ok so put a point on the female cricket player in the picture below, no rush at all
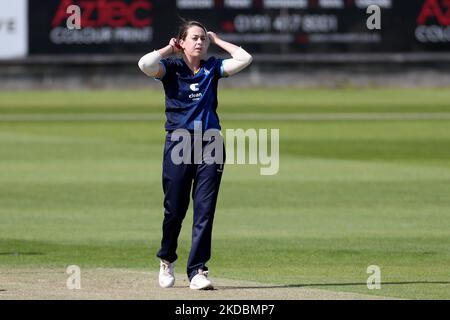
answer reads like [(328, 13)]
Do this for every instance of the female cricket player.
[(190, 85)]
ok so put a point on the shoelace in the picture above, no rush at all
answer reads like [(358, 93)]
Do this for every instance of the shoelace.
[(167, 268), (203, 272)]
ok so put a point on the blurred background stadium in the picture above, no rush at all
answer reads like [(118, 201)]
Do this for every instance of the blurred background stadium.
[(364, 119), (294, 42)]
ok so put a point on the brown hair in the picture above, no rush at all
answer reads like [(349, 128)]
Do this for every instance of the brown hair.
[(182, 33)]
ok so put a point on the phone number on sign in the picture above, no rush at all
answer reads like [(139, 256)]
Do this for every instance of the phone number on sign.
[(286, 23)]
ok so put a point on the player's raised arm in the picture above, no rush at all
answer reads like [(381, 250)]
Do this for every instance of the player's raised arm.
[(240, 58), (150, 63)]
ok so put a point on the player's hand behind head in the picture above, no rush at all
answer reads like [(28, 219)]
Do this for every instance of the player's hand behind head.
[(175, 45), (212, 37)]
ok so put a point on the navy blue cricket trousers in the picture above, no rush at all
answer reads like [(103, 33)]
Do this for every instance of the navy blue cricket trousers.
[(178, 180)]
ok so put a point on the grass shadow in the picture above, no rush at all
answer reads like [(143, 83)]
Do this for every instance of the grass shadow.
[(287, 286)]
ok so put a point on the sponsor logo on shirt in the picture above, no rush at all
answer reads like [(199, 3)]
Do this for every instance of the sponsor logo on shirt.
[(194, 87), (195, 96)]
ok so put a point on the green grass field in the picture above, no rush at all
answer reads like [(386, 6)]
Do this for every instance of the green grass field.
[(348, 194)]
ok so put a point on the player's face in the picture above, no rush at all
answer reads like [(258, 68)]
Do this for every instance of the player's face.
[(196, 42)]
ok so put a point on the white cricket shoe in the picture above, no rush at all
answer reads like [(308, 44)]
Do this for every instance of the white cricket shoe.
[(200, 281), (166, 274)]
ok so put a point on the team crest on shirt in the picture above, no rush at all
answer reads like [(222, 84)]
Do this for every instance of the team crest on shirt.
[(206, 71), (194, 87), (195, 96)]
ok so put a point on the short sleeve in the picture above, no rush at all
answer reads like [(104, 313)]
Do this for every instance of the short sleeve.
[(169, 66), (219, 69)]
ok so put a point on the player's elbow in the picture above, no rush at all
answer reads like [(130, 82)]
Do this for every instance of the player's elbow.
[(142, 65), (242, 57), (249, 59), (148, 69), (246, 60)]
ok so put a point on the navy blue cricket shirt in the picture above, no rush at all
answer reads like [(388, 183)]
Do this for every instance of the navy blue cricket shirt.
[(191, 97)]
